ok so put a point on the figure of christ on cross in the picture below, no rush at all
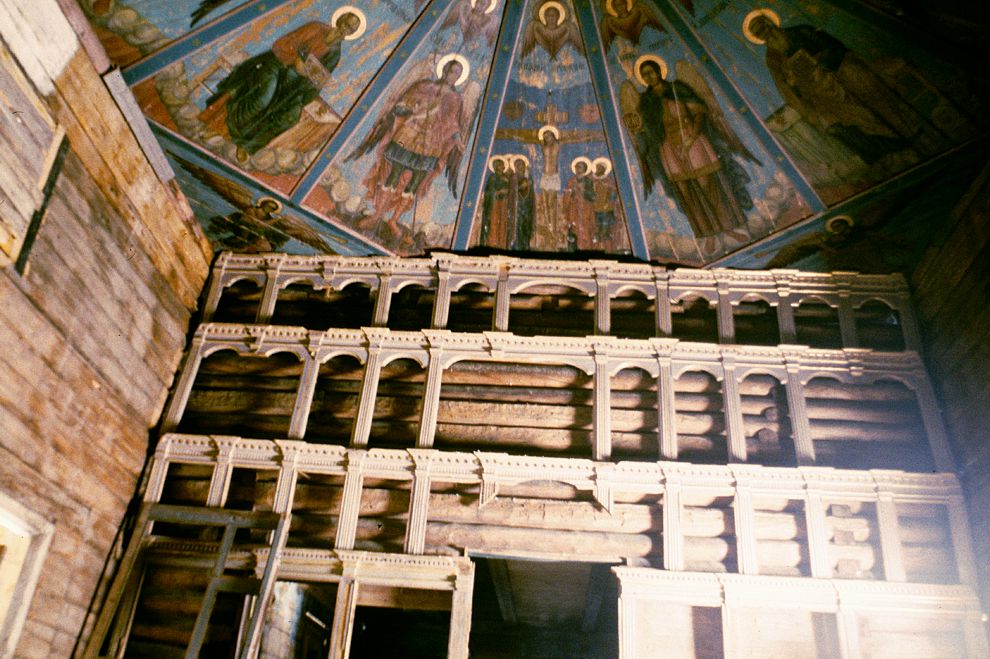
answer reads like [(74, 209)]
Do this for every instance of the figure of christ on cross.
[(549, 228)]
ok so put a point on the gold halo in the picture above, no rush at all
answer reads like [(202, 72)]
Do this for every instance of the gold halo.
[(518, 157), (491, 5), (602, 160), (542, 12), (586, 160), (830, 225), (649, 58), (611, 9), (278, 204), (747, 23), (465, 67), (348, 9), (548, 128), (494, 159)]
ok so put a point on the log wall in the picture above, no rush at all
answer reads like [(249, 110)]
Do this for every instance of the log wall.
[(92, 327), (953, 301)]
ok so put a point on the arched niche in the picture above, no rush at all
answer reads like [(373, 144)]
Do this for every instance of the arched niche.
[(335, 401), (302, 303), (816, 324), (633, 415), (864, 424), (767, 421), (633, 315), (348, 307), (878, 326), (699, 408), (243, 394), (755, 321), (398, 404), (472, 308), (516, 408), (693, 318), (411, 308), (239, 302), (551, 310)]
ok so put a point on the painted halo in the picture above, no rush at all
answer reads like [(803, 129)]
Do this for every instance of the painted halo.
[(278, 204), (649, 58), (610, 8), (587, 163), (517, 157), (548, 128), (494, 159), (348, 9), (832, 222), (601, 161), (547, 5), (491, 5), (748, 23), (454, 57)]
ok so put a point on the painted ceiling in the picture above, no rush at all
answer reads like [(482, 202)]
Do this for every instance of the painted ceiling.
[(691, 132)]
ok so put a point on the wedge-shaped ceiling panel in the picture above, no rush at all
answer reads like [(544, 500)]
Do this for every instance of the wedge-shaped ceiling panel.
[(550, 184), (397, 174)]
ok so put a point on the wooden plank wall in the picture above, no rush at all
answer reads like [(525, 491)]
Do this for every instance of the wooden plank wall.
[(92, 333), (952, 290)]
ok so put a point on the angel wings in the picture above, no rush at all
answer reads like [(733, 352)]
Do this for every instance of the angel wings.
[(551, 28), (424, 127), (257, 225)]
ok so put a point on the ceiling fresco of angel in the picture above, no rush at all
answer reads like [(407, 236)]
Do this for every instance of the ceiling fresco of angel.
[(682, 131), (398, 179), (848, 104)]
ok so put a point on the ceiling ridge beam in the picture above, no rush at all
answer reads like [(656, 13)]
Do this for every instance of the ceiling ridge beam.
[(498, 82), (614, 137)]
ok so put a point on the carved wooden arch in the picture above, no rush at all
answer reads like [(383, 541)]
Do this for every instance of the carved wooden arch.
[(772, 299), (395, 354), (587, 287), (876, 297), (582, 363), (651, 367), (843, 377), (318, 282), (779, 373), (465, 280), (713, 369), (648, 289), (824, 298), (340, 282), (709, 296), (244, 347), (325, 355)]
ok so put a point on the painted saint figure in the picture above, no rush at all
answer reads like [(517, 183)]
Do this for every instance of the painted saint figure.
[(475, 17), (607, 207), (579, 204), (521, 203), (264, 95), (495, 205), (853, 100), (683, 142), (422, 131)]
